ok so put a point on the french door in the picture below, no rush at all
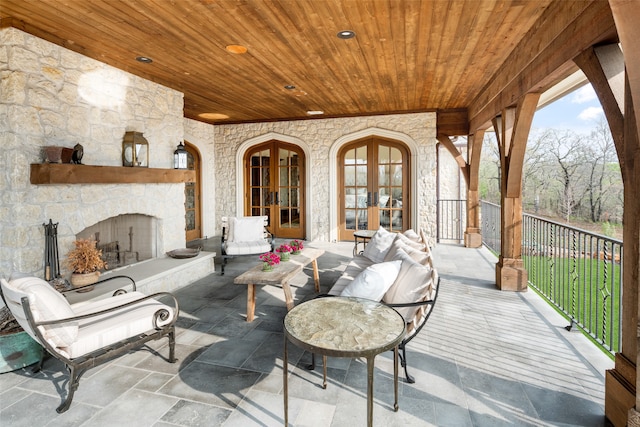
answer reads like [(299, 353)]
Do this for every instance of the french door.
[(193, 227), (373, 186), (274, 186)]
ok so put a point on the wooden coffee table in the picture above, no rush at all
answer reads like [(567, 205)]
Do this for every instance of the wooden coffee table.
[(280, 275)]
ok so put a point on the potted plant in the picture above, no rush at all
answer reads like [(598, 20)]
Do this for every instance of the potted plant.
[(269, 259), (285, 251), (296, 247), (85, 261)]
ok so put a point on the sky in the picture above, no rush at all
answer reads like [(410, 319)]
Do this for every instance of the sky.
[(578, 111)]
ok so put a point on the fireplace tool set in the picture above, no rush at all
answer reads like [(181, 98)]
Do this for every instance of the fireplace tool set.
[(51, 260)]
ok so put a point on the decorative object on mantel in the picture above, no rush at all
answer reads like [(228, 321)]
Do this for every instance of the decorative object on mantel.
[(180, 157), (135, 150), (184, 253), (78, 152), (269, 259), (57, 154), (85, 261)]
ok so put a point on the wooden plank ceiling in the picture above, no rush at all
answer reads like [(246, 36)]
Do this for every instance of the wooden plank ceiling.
[(407, 55)]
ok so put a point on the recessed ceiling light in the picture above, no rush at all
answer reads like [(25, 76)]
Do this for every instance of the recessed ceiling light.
[(236, 48), (314, 113), (213, 116), (346, 34), (144, 59), (289, 87)]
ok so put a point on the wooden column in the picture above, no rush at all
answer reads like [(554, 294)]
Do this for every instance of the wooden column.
[(622, 382), (472, 235), (604, 67), (512, 130), (469, 169)]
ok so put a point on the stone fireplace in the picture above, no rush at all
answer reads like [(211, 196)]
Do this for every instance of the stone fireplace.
[(124, 239)]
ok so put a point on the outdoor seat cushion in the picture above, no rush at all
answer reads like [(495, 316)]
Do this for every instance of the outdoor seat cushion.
[(355, 267), (413, 284), (247, 248), (46, 304), (106, 329), (379, 245), (374, 281)]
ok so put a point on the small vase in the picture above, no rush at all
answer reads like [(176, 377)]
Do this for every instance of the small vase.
[(267, 267), (296, 252), (284, 256), (83, 279)]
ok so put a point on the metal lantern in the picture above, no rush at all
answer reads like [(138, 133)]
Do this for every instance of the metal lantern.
[(135, 150), (180, 157)]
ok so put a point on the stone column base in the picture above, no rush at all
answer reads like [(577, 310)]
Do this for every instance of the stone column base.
[(620, 394), (472, 238), (511, 275)]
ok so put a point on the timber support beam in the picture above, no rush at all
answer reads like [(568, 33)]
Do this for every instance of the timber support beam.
[(512, 130)]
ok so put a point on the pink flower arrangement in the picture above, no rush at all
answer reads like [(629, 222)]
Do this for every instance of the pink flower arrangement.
[(284, 248), (270, 258), (296, 245)]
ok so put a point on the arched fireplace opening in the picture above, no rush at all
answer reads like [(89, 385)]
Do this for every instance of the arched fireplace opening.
[(124, 239)]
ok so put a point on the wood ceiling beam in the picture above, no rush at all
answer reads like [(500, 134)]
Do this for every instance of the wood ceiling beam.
[(544, 56)]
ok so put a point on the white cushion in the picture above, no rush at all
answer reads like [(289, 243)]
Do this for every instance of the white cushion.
[(354, 268), (373, 282), (399, 244), (379, 245), (247, 248), (246, 229), (412, 284), (411, 243), (412, 235), (48, 304), (106, 329)]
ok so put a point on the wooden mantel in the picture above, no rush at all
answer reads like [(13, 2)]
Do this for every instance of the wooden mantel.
[(64, 173)]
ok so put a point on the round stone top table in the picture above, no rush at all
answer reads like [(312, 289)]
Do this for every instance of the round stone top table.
[(345, 327)]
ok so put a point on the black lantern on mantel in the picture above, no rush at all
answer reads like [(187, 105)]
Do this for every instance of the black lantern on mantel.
[(180, 157), (135, 150)]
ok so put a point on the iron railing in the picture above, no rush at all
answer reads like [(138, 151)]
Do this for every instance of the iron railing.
[(452, 215), (577, 271)]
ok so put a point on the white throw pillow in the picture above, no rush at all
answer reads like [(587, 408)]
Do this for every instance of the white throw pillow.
[(248, 229), (49, 304), (379, 245), (400, 245), (413, 284), (374, 281), (411, 243), (411, 234)]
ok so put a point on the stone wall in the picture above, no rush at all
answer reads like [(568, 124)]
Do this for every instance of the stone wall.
[(320, 137), (53, 96)]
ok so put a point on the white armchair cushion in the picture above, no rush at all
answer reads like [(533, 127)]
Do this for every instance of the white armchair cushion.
[(106, 329), (379, 245), (246, 229), (373, 282), (46, 304), (245, 248)]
